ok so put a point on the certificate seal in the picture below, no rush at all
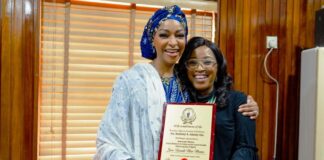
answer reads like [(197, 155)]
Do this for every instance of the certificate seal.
[(188, 116)]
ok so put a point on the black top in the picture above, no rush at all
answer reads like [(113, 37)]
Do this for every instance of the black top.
[(235, 133)]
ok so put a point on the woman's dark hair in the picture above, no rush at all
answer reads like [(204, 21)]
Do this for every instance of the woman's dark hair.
[(223, 81)]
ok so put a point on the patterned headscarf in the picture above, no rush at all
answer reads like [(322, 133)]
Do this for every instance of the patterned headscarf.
[(171, 12)]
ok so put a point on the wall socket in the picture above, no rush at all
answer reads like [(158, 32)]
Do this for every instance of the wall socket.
[(272, 42)]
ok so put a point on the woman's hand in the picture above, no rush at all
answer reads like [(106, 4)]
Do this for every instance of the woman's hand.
[(250, 109)]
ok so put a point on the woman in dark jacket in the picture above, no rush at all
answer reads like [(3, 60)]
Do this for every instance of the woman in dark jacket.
[(203, 70)]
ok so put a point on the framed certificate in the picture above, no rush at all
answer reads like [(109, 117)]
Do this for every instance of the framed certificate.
[(187, 131)]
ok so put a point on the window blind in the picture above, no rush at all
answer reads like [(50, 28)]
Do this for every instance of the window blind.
[(84, 48)]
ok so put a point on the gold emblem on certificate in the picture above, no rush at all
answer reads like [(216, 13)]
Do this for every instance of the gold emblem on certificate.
[(187, 132), (188, 115)]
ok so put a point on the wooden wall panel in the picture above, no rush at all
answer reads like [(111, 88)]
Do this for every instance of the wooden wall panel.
[(0, 61), (18, 50), (243, 27)]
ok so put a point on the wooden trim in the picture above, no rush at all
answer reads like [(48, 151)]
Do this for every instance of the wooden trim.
[(0, 66), (98, 4), (38, 75), (18, 136), (6, 83), (55, 1), (121, 6), (37, 24), (217, 20)]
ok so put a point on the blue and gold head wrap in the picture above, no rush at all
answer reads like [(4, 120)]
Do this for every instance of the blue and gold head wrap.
[(171, 12)]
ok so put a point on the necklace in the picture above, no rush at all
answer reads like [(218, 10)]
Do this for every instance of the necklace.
[(166, 80), (172, 87)]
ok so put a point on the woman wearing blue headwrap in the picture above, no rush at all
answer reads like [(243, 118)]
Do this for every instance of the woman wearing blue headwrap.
[(163, 41), (131, 125)]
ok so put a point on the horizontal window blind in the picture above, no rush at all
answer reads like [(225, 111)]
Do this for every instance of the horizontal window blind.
[(84, 49)]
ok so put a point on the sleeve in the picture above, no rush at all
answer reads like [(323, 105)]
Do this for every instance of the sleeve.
[(114, 135), (245, 145)]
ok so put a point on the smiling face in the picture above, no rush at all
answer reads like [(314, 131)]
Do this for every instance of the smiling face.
[(169, 42), (204, 74)]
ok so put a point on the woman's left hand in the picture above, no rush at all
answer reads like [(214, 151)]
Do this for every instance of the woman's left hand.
[(250, 109)]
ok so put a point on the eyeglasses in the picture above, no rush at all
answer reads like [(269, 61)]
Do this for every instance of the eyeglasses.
[(205, 63)]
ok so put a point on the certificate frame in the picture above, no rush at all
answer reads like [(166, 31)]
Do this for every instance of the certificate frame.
[(188, 131)]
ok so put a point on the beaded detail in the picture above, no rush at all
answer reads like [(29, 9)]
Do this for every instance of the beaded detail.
[(166, 80), (173, 91)]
